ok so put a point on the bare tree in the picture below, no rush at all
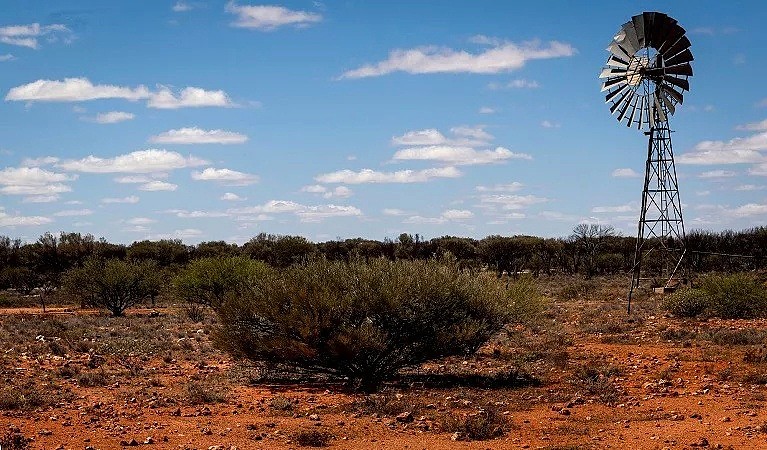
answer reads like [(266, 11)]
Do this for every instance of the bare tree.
[(588, 238)]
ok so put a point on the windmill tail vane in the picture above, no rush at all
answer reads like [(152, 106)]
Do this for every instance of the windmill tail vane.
[(645, 78)]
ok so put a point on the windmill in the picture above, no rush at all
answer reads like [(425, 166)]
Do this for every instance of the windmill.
[(645, 76)]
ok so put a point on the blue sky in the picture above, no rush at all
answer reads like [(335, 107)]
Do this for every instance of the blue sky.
[(207, 120)]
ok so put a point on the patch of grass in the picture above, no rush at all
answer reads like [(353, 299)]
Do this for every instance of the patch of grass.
[(487, 423), (313, 438), (199, 393), (597, 381), (745, 336), (92, 378), (23, 398), (13, 440), (281, 403)]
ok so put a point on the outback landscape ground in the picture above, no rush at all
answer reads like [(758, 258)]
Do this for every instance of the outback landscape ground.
[(586, 376)]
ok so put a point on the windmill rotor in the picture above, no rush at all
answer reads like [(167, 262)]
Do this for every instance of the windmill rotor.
[(648, 70)]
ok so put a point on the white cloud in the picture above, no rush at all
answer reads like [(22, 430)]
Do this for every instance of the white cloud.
[(28, 35), (189, 97), (7, 220), (338, 192), (403, 176), (421, 137), (393, 212), (629, 207), (184, 214), (128, 199), (750, 187), (225, 176), (140, 221), (185, 233), (82, 89), (133, 179), (314, 189), (232, 197), (157, 185), (45, 189), (750, 209), (7, 57), (759, 169), (136, 229), (451, 215), (73, 90), (268, 17), (549, 124), (510, 202), (734, 151), (755, 126), (42, 161), (73, 213), (40, 185), (141, 161), (519, 83), (182, 6), (501, 57), (625, 173), (113, 117), (510, 187), (717, 174), (487, 110), (457, 214), (31, 176), (458, 155), (303, 212), (41, 199), (198, 136)]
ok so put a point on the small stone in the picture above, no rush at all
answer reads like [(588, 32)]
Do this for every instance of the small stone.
[(405, 417), (726, 419), (176, 412), (314, 417), (149, 440), (457, 436)]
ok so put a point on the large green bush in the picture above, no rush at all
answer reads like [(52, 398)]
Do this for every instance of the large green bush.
[(113, 284), (208, 281), (735, 296), (366, 321)]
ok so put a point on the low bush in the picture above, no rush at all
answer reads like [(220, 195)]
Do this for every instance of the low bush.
[(199, 393), (313, 438), (208, 281), (735, 296), (487, 423), (14, 441), (366, 321)]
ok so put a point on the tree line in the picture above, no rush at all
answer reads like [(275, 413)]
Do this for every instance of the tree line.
[(590, 250)]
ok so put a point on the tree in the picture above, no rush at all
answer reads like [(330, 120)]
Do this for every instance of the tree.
[(209, 281), (588, 239), (113, 284)]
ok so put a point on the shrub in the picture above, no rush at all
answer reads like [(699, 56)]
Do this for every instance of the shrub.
[(198, 393), (364, 322), (487, 423), (735, 296), (313, 438), (208, 281), (113, 284), (13, 440)]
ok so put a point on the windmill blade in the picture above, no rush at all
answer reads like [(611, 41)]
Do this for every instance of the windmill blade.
[(610, 72), (625, 106), (677, 96), (679, 58), (651, 111), (633, 110), (614, 61), (680, 69), (649, 28), (682, 44), (619, 102), (668, 103), (631, 37), (641, 112), (659, 108), (674, 34), (612, 94), (678, 82), (613, 82), (638, 22), (665, 25), (618, 51)]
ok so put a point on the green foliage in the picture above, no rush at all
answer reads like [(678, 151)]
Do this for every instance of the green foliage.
[(735, 296), (208, 281), (364, 321), (113, 284)]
